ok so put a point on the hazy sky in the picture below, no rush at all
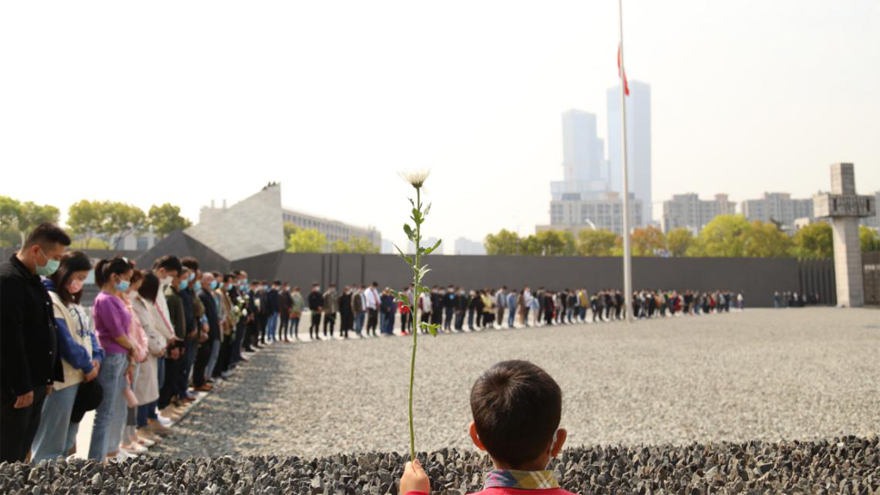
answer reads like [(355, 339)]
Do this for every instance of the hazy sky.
[(148, 102)]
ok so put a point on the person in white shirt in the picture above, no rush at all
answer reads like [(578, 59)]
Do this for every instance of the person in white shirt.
[(372, 299)]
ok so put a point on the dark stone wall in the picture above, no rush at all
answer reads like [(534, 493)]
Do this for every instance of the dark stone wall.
[(757, 278)]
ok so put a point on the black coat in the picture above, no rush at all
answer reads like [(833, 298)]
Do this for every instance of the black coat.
[(28, 349), (211, 314), (316, 300)]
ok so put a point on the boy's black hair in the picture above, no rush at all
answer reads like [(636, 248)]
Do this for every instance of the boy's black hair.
[(47, 233), (169, 262), (191, 263), (517, 407)]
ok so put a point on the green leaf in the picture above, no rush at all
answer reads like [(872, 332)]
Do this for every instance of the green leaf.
[(416, 216), (427, 209), (409, 231), (405, 257), (431, 328), (430, 249), (423, 270)]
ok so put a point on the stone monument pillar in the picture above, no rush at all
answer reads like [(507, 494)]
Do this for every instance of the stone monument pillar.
[(845, 207)]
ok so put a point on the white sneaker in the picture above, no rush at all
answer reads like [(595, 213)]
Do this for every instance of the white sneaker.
[(134, 449), (164, 421), (146, 442)]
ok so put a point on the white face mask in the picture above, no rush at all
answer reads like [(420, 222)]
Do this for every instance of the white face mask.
[(165, 281)]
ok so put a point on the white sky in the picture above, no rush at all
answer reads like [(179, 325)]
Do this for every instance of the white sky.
[(148, 102)]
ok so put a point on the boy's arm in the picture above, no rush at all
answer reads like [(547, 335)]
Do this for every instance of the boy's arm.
[(414, 480)]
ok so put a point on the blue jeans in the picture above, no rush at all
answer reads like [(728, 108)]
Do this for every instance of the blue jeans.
[(212, 361), (271, 325), (510, 318), (54, 438), (189, 358), (110, 415), (383, 316), (359, 322)]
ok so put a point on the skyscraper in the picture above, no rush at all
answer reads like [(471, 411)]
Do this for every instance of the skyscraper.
[(585, 171), (638, 130)]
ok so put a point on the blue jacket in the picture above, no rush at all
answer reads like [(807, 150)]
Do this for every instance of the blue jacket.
[(68, 349)]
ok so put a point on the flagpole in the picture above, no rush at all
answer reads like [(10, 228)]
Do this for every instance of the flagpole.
[(627, 254)]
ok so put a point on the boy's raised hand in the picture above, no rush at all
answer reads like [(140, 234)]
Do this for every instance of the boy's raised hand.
[(414, 479)]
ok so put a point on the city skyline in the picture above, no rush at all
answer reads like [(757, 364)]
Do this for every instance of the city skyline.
[(317, 97)]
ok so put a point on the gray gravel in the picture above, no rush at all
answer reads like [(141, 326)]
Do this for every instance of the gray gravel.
[(798, 374), (848, 466)]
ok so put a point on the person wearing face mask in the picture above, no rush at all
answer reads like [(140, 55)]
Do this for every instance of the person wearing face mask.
[(169, 392), (131, 445), (296, 309), (112, 321), (80, 355), (29, 362), (316, 306), (346, 316), (461, 305), (206, 348)]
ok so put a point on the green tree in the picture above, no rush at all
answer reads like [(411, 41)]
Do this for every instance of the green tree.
[(306, 241), (356, 244), (86, 219), (18, 219), (10, 212), (595, 242), (504, 242), (165, 219), (765, 240), (647, 241), (123, 219), (814, 241), (679, 241), (530, 246), (868, 239), (556, 243), (725, 236)]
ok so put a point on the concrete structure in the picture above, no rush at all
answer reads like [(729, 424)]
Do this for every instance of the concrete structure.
[(690, 212), (845, 207), (585, 171), (334, 230), (255, 226), (873, 221), (248, 228), (574, 213), (777, 207), (638, 130), (467, 246)]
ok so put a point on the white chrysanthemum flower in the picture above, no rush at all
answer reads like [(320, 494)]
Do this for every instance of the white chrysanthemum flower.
[(416, 178)]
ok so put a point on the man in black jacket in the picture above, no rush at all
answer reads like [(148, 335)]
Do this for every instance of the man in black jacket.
[(205, 348), (316, 305), (28, 348)]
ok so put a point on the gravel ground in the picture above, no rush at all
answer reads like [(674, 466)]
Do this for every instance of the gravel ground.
[(768, 375), (848, 466)]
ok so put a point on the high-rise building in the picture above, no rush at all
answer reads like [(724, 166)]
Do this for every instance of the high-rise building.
[(777, 207), (585, 171), (467, 246), (691, 212), (638, 132)]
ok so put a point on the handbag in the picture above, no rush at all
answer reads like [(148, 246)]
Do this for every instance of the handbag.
[(88, 398)]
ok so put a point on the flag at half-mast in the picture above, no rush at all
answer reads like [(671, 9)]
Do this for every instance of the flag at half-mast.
[(622, 72)]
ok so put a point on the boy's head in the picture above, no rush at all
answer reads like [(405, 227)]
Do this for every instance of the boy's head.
[(517, 407)]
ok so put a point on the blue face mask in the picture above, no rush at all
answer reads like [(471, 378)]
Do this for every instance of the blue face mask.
[(183, 284), (266, 287), (50, 268), (214, 285), (123, 285), (191, 277), (229, 286), (197, 286), (244, 282)]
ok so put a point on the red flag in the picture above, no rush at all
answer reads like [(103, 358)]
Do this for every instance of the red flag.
[(622, 73)]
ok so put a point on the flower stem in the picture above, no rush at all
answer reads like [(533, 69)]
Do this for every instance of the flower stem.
[(415, 314)]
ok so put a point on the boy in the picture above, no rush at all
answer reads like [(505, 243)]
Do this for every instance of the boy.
[(516, 407)]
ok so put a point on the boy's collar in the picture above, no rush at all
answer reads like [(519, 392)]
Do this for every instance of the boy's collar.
[(523, 480)]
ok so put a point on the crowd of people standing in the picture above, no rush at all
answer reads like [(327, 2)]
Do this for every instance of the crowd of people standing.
[(154, 337), (151, 340)]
